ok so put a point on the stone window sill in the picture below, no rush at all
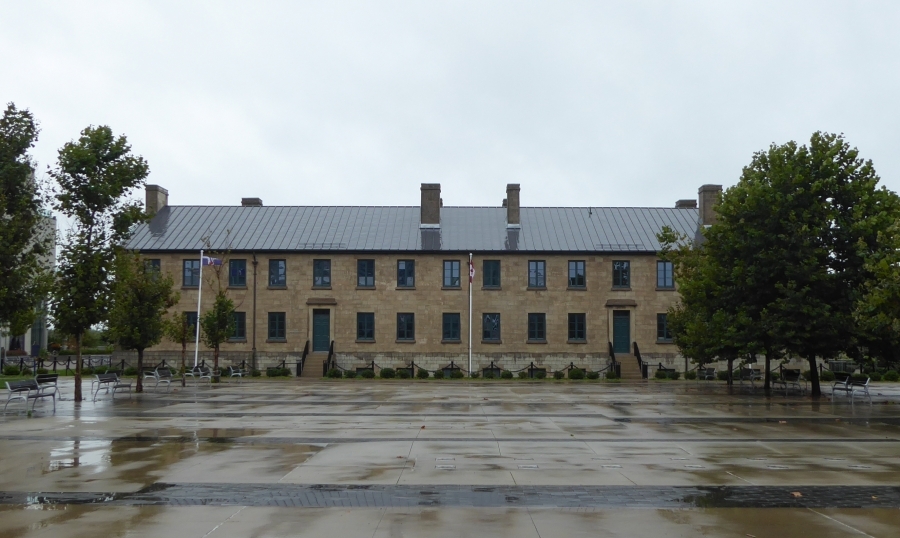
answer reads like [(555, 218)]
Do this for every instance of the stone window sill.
[(576, 341), (237, 340), (190, 287), (364, 288), (321, 287), (413, 341), (455, 341), (617, 288), (665, 341), (237, 287), (537, 288), (577, 288), (535, 341), (365, 341), (491, 288), (276, 340), (666, 289), (492, 341), (276, 287), (406, 288), (457, 288)]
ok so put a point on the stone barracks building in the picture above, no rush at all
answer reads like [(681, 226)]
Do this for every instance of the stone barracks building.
[(552, 285)]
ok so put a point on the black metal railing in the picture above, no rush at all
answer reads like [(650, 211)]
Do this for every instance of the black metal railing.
[(302, 362), (640, 360), (328, 363)]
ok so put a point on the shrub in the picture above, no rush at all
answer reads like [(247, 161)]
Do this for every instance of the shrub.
[(131, 371), (541, 374), (11, 370), (774, 375), (489, 374), (875, 376), (859, 377), (422, 373), (403, 374), (506, 374), (690, 375), (281, 372), (100, 370), (891, 375), (723, 376), (660, 374), (439, 374), (42, 371), (576, 373), (675, 375), (805, 374), (611, 374), (827, 375), (350, 374), (255, 373), (592, 375), (474, 375), (523, 374), (559, 374), (457, 374), (334, 373), (367, 374), (387, 373), (84, 371)]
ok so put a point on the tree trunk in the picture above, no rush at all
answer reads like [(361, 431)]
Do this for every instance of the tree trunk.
[(140, 369), (183, 370), (816, 389), (730, 369), (766, 384), (78, 367)]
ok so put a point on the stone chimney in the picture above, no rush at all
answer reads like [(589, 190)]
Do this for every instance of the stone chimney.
[(512, 206), (157, 198), (251, 202), (709, 198), (686, 204), (431, 206)]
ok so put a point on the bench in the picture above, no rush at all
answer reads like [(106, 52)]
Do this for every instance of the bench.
[(159, 375), (199, 373), (29, 390), (791, 379), (707, 374), (749, 374), (848, 386), (238, 373), (49, 380), (107, 381)]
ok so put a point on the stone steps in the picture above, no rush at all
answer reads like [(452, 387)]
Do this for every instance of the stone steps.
[(629, 367), (312, 369)]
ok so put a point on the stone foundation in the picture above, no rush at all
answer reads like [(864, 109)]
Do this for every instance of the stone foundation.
[(505, 361)]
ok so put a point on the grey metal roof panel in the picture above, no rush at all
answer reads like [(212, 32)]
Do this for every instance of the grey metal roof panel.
[(475, 229)]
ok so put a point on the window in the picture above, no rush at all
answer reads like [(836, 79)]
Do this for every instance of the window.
[(190, 320), (365, 326), (577, 327), (153, 264), (321, 273), (664, 275), (237, 273), (537, 275), (406, 326), (451, 327), (191, 273), (277, 273), (365, 273), (240, 326), (406, 274), (537, 327), (276, 326), (576, 274), (621, 274), (662, 328), (491, 327), (491, 273), (451, 273)]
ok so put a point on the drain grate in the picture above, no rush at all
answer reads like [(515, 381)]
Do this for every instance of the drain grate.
[(694, 467), (612, 466), (527, 466), (859, 467), (777, 467), (445, 467)]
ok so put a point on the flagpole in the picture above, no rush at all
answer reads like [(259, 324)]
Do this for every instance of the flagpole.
[(470, 314), (199, 293)]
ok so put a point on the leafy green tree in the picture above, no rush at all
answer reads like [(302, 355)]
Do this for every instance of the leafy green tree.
[(180, 330), (217, 324), (23, 244), (141, 297), (95, 176), (878, 309)]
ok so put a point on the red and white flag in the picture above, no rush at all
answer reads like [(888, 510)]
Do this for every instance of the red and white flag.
[(471, 271)]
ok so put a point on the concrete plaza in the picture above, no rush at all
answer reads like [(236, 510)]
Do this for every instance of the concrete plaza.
[(453, 458)]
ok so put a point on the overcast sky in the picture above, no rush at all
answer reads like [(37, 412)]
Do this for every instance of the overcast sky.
[(357, 103)]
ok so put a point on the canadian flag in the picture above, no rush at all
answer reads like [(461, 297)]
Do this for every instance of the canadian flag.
[(471, 271)]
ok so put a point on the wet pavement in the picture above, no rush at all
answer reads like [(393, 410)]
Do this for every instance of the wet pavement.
[(401, 458)]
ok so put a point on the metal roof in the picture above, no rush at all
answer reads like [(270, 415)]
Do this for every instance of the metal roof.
[(463, 229)]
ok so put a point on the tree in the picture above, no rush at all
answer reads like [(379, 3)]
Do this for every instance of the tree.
[(217, 324), (141, 297), (95, 176), (182, 330), (23, 244)]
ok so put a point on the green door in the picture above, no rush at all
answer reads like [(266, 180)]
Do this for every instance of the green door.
[(621, 331), (321, 330)]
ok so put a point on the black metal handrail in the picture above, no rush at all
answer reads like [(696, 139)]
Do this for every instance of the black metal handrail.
[(645, 374), (302, 362), (328, 364)]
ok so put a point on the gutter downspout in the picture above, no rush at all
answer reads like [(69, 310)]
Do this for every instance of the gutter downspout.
[(253, 356)]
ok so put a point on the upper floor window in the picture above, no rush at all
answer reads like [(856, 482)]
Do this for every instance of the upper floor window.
[(406, 274), (240, 326), (322, 273), (153, 264), (277, 273), (237, 273), (621, 274), (537, 327), (451, 273), (490, 324), (365, 326), (491, 273), (406, 326), (662, 328), (664, 275), (365, 273), (576, 274), (190, 321), (191, 273), (537, 274)]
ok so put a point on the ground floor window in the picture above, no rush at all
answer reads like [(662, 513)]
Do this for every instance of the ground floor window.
[(490, 327), (451, 327), (277, 326), (240, 326), (365, 326), (662, 328), (577, 329), (537, 327), (406, 326)]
